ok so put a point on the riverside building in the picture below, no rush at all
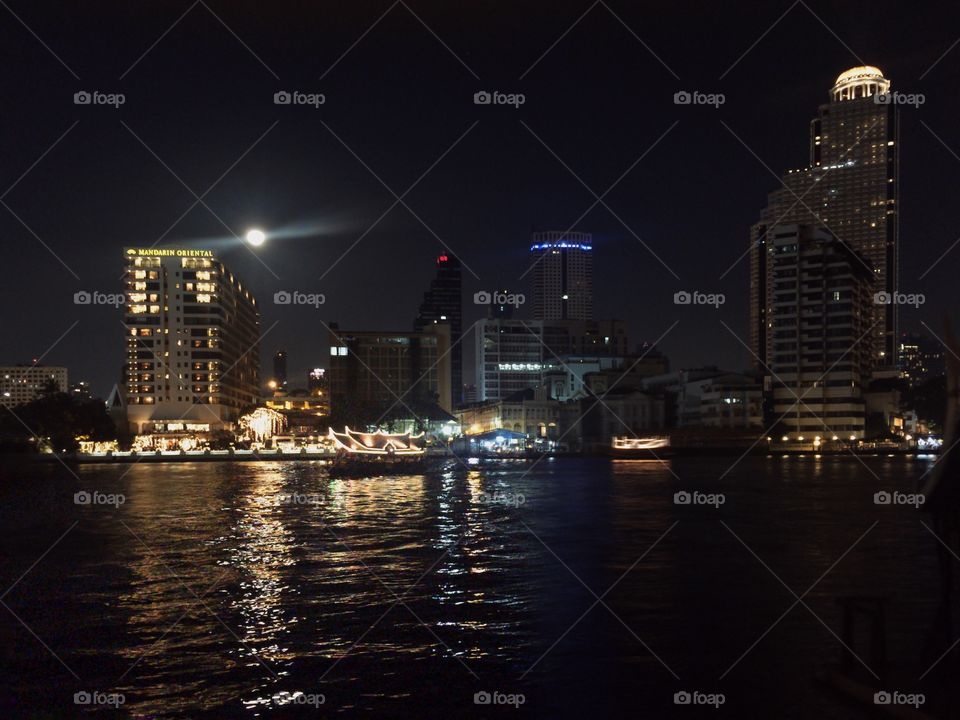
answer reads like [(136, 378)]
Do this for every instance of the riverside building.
[(192, 342)]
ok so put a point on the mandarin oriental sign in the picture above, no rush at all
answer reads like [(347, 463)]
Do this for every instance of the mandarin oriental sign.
[(170, 252)]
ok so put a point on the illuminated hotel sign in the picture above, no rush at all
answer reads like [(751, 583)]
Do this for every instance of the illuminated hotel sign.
[(170, 252)]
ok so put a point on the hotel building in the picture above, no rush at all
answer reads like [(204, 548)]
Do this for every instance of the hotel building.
[(561, 266), (850, 187), (193, 342), (21, 384), (822, 311)]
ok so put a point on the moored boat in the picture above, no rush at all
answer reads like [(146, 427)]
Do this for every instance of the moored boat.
[(376, 453)]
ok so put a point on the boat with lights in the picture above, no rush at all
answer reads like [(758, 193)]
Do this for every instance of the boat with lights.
[(653, 448), (379, 452)]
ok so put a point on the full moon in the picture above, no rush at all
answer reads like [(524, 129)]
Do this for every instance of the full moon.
[(256, 237)]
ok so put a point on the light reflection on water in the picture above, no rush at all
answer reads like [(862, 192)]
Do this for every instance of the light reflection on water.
[(230, 589)]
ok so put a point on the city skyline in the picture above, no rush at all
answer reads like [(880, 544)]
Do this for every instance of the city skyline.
[(417, 358), (312, 251)]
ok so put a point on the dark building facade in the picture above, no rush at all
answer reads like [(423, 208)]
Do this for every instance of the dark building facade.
[(443, 304), (920, 358), (822, 311), (280, 368), (561, 268), (586, 337), (380, 376)]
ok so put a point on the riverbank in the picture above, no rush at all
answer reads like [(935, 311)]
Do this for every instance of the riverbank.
[(303, 454)]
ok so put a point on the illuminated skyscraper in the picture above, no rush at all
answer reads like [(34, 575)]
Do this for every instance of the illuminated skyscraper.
[(193, 341), (850, 187), (561, 265), (443, 304)]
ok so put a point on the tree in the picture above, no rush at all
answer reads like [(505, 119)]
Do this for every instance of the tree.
[(929, 401), (59, 421)]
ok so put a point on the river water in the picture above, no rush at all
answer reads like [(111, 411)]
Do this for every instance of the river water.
[(574, 586)]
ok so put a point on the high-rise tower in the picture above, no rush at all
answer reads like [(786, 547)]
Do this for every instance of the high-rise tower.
[(443, 304), (850, 187), (561, 264)]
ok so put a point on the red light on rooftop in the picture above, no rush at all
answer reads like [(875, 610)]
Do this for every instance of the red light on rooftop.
[(442, 259)]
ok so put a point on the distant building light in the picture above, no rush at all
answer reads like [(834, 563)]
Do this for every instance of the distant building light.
[(520, 367), (560, 245)]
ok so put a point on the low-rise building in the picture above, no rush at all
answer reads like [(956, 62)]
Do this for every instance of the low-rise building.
[(530, 411), (21, 384)]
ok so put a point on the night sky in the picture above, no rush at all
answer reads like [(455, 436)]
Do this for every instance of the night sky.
[(199, 112)]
